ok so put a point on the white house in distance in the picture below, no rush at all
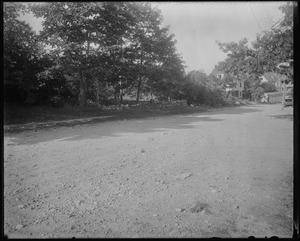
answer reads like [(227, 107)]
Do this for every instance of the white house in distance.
[(236, 91), (219, 74)]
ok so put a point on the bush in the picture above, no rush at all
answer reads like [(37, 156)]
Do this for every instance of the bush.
[(257, 93), (268, 87), (57, 101), (199, 95)]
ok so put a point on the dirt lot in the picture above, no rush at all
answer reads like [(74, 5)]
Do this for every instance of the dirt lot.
[(223, 173)]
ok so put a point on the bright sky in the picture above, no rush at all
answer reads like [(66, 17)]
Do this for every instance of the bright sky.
[(197, 26)]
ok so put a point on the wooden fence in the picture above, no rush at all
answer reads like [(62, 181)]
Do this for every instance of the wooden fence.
[(274, 97)]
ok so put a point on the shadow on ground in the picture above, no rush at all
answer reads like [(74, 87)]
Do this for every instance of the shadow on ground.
[(111, 127), (285, 117), (235, 110)]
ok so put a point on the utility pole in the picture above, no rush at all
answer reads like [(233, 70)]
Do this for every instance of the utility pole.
[(283, 66), (283, 95)]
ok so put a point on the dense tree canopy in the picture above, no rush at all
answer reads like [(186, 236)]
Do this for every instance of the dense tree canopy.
[(23, 53), (120, 44), (103, 50)]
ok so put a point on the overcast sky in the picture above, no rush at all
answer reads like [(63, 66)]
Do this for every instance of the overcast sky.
[(197, 26)]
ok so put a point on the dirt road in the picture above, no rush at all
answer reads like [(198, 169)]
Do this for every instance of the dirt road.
[(222, 173)]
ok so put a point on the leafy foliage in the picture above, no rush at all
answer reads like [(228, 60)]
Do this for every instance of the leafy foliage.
[(99, 51), (23, 54), (270, 48), (119, 44), (198, 88)]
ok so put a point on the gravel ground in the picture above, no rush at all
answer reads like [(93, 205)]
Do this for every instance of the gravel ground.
[(223, 173)]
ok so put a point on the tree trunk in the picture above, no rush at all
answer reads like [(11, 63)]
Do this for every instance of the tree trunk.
[(140, 78), (82, 90), (283, 96), (82, 94), (97, 92), (138, 88), (121, 92)]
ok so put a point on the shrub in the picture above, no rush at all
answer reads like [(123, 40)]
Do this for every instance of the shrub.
[(57, 101)]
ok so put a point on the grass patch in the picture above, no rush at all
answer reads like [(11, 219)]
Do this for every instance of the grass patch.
[(22, 114)]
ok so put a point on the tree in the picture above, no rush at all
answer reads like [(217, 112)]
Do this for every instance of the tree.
[(228, 78), (82, 36), (167, 72), (110, 45), (23, 53), (198, 88), (241, 59), (268, 87), (276, 44), (242, 63), (153, 53), (143, 40), (270, 48)]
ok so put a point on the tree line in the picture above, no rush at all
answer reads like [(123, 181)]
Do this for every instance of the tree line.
[(103, 50), (90, 50)]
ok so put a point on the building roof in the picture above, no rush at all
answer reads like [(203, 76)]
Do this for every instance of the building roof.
[(216, 72)]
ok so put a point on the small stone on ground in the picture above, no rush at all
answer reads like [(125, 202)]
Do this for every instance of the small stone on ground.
[(183, 176)]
